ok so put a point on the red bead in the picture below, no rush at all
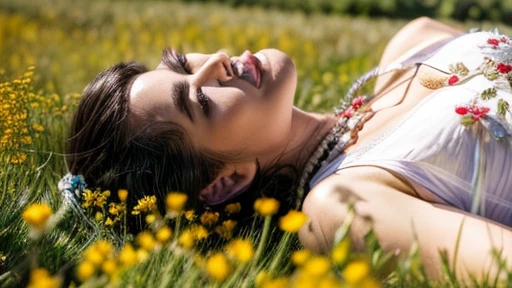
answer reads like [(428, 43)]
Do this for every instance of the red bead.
[(348, 113), (452, 80), (504, 68), (461, 110), (358, 102)]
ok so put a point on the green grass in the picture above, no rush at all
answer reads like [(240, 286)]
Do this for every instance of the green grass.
[(71, 41)]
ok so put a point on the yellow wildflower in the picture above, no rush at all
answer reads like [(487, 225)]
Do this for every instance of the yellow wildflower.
[(41, 278), (266, 206), (127, 256), (218, 267), (109, 222), (115, 208), (199, 232), (317, 266), (109, 267), (356, 271), (85, 270), (226, 229), (87, 198), (281, 282), (187, 239), (36, 215), (93, 255), (98, 216), (341, 251), (233, 208), (150, 218), (190, 215), (292, 222), (142, 255), (209, 218), (300, 257), (261, 279), (101, 198), (240, 249), (104, 247), (38, 127), (175, 201), (163, 234), (145, 205), (146, 240), (122, 194)]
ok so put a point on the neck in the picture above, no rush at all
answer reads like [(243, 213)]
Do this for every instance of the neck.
[(307, 131)]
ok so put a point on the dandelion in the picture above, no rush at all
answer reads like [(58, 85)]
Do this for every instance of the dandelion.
[(218, 267), (240, 249), (122, 194), (209, 218), (163, 234), (175, 201), (36, 215), (127, 256), (293, 221), (226, 229), (109, 267), (266, 206), (233, 208), (300, 257), (341, 251), (41, 278), (317, 266), (85, 270), (146, 240), (356, 271), (145, 205)]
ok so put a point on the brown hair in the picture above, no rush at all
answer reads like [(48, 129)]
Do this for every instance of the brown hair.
[(153, 161)]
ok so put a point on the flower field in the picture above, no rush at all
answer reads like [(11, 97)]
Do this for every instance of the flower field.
[(51, 49)]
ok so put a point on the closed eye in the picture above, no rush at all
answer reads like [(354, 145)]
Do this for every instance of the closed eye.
[(175, 61)]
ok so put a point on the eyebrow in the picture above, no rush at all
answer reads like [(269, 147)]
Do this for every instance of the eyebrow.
[(180, 92)]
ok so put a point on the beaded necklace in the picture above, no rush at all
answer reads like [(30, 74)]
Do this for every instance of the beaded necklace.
[(352, 114)]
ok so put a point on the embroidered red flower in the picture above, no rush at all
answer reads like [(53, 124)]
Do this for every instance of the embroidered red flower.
[(493, 42), (461, 110), (452, 80), (504, 39), (358, 102), (479, 112), (504, 68)]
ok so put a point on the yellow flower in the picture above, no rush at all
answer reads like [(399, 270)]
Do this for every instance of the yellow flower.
[(199, 232), (98, 216), (292, 222), (341, 251), (150, 218), (85, 270), (317, 266), (266, 206), (93, 255), (240, 249), (127, 256), (280, 282), (145, 205), (261, 279), (218, 267), (187, 239), (104, 247), (101, 198), (209, 218), (115, 208), (146, 240), (109, 267), (226, 229), (300, 257), (175, 201), (87, 198), (142, 255), (233, 208), (38, 127), (190, 215), (41, 278), (109, 222), (122, 194), (356, 271), (36, 215), (163, 234)]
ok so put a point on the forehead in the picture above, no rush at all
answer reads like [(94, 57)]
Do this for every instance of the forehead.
[(151, 95)]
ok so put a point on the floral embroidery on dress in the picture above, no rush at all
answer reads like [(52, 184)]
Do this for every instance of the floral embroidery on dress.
[(497, 68)]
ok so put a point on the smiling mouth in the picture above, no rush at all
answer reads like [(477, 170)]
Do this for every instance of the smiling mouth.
[(248, 68)]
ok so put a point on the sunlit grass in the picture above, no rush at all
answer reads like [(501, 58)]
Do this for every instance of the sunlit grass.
[(69, 42)]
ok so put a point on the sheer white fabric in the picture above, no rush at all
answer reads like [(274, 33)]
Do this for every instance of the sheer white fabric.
[(431, 148)]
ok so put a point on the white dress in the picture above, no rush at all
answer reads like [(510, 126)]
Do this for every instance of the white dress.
[(466, 167)]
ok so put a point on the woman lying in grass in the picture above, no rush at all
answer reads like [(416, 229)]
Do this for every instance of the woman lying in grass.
[(426, 156)]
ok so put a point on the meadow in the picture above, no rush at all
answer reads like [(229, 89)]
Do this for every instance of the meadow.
[(51, 49)]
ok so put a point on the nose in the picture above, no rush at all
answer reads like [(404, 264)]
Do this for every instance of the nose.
[(216, 67)]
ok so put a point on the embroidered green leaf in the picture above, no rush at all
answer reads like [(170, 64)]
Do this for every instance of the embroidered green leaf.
[(459, 69), (488, 93), (503, 107), (467, 120)]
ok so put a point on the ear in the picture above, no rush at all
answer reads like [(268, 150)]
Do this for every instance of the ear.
[(231, 181)]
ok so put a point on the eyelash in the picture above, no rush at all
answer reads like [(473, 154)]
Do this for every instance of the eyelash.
[(203, 100), (183, 62)]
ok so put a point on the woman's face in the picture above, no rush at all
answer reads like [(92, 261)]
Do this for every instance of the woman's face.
[(227, 104)]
